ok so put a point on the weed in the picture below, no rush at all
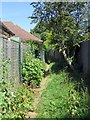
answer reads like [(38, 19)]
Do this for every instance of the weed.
[(62, 100)]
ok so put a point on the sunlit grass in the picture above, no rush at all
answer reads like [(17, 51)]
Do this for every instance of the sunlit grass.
[(63, 99)]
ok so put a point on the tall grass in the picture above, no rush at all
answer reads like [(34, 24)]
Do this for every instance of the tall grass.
[(64, 98)]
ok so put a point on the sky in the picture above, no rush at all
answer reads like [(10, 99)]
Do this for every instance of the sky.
[(18, 13)]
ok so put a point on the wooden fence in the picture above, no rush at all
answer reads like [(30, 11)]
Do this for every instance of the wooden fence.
[(12, 51), (85, 56)]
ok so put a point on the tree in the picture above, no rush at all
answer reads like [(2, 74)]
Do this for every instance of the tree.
[(62, 19), (40, 31)]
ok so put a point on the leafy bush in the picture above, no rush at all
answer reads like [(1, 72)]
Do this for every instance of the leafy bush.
[(15, 100), (32, 70)]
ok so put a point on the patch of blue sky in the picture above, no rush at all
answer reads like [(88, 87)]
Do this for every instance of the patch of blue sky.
[(18, 13)]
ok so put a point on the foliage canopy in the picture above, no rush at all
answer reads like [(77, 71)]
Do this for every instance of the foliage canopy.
[(63, 24)]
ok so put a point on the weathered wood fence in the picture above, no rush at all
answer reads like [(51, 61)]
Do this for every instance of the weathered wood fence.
[(85, 56), (12, 51)]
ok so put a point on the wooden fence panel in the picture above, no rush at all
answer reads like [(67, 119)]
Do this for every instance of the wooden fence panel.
[(85, 56), (89, 57), (14, 52), (15, 60)]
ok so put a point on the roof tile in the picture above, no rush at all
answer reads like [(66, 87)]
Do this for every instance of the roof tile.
[(20, 32)]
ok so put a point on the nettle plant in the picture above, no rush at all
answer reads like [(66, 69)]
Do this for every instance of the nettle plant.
[(32, 70)]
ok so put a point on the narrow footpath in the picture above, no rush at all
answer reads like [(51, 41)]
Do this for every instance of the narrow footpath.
[(38, 92)]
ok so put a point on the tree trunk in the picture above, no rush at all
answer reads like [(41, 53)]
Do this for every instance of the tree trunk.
[(69, 62)]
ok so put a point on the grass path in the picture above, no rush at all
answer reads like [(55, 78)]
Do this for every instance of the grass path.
[(38, 93), (59, 97)]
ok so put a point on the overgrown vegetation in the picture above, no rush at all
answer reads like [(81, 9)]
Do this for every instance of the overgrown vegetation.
[(15, 99), (62, 25), (65, 97), (33, 70)]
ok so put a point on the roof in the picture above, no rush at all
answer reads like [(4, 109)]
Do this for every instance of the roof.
[(20, 32), (3, 27)]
